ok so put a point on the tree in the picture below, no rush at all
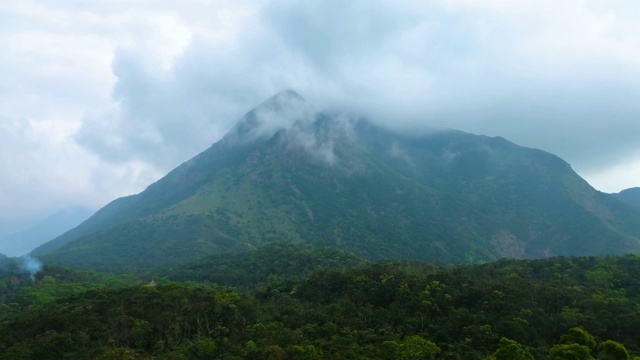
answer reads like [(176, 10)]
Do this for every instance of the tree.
[(570, 352), (251, 350), (389, 350), (417, 347), (274, 352), (579, 336), (511, 350), (205, 348), (612, 350)]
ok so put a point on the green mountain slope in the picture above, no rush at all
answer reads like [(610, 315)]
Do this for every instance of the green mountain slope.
[(287, 174)]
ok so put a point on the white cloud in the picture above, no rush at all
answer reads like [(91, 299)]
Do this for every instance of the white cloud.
[(42, 171), (623, 175), (105, 96)]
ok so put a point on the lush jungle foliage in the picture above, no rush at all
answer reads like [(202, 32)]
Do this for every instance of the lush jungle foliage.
[(560, 308)]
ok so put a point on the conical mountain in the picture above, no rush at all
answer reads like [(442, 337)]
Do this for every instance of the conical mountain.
[(285, 172)]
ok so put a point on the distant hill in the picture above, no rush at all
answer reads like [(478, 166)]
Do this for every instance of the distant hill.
[(23, 242), (286, 173), (631, 196)]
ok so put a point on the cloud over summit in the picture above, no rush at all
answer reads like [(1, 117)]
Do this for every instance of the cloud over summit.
[(123, 92)]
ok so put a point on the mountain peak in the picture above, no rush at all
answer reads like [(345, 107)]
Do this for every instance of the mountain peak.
[(277, 112), (281, 101), (287, 94)]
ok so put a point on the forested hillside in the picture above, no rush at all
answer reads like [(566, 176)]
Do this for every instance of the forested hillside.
[(276, 260), (510, 309), (325, 179)]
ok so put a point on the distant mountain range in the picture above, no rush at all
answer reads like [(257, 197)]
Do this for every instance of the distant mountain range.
[(21, 243), (286, 173), (631, 196)]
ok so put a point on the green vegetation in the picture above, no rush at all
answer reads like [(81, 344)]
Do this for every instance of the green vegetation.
[(277, 306), (448, 197), (276, 260), (278, 248)]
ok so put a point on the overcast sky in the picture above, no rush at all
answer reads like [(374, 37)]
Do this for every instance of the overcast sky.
[(100, 98)]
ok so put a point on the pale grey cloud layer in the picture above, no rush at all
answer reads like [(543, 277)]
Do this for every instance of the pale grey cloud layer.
[(100, 98)]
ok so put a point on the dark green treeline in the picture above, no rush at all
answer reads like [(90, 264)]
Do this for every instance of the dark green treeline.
[(560, 308)]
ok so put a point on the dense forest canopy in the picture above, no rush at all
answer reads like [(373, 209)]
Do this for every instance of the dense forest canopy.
[(273, 307)]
